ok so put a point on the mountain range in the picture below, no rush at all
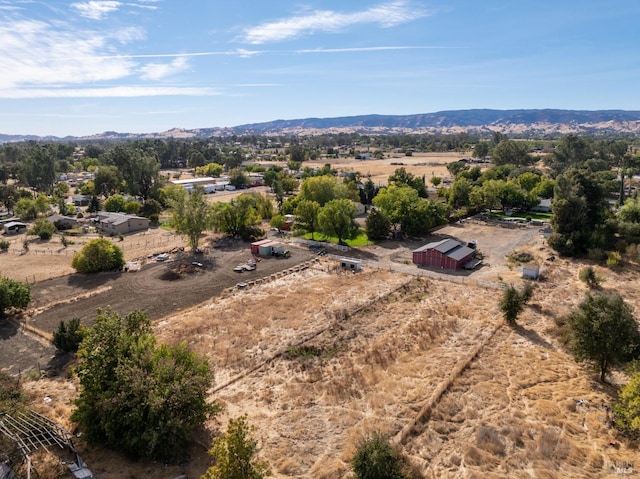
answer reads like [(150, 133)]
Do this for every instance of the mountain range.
[(517, 123)]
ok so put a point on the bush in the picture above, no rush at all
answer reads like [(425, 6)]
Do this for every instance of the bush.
[(13, 294), (4, 246), (42, 229), (376, 459), (614, 259), (136, 396), (234, 454), (68, 337), (589, 276), (98, 255)]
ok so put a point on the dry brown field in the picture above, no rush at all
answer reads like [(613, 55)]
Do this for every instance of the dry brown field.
[(318, 358), (420, 164)]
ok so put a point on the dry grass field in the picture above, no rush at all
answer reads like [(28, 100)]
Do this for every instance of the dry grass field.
[(318, 358)]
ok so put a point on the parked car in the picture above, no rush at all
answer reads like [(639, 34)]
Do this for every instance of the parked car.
[(162, 257)]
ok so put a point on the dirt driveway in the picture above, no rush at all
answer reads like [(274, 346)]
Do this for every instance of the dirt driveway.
[(493, 242), (158, 288)]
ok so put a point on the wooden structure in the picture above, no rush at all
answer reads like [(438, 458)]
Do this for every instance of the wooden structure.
[(445, 254)]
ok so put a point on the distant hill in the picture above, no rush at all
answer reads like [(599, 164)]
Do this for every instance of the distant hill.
[(516, 123)]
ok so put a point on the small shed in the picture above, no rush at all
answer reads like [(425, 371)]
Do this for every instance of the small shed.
[(14, 227), (265, 249), (531, 271), (351, 264), (255, 246)]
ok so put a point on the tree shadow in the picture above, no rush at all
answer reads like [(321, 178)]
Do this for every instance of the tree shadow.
[(533, 336), (92, 280), (8, 329)]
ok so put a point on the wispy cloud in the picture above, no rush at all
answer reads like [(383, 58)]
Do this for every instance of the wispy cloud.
[(107, 92), (158, 71), (386, 15), (99, 9), (96, 9)]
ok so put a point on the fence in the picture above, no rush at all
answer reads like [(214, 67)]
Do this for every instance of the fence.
[(425, 272)]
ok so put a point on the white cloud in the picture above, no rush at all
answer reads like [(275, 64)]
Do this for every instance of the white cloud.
[(36, 53), (107, 92), (386, 15), (158, 71), (96, 9)]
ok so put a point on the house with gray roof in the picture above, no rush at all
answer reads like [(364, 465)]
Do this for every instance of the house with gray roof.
[(120, 223)]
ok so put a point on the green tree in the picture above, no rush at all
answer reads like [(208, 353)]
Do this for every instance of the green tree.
[(26, 209), (481, 149), (97, 255), (376, 459), (513, 301), (306, 217), (42, 229), (603, 331), (94, 204), (580, 213), (235, 454), (115, 203), (323, 189), (512, 152), (13, 294), (190, 214), (136, 396), (297, 153), (336, 218), (210, 169), (38, 169), (237, 216), (377, 225), (69, 335), (630, 211), (626, 410), (238, 178), (402, 177), (107, 180), (278, 222)]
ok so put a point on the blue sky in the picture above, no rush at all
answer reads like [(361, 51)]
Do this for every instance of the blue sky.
[(84, 67)]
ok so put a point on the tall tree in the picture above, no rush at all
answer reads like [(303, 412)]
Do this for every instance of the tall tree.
[(190, 214), (603, 331), (306, 216), (136, 396), (336, 218), (236, 216), (38, 169)]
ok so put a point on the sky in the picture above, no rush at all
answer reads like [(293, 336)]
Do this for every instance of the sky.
[(140, 66)]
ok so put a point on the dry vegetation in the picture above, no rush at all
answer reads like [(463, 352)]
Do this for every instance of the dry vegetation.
[(316, 359)]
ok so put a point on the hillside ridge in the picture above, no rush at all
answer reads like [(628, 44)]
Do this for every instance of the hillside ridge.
[(518, 122)]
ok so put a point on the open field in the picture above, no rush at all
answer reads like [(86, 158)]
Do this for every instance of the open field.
[(427, 164), (317, 358)]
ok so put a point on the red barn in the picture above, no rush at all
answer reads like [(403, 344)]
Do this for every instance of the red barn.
[(446, 254)]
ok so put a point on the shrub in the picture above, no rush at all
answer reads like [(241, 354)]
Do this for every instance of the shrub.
[(4, 246), (98, 255), (589, 276), (13, 294), (68, 337), (42, 229), (376, 459), (234, 453), (614, 259)]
